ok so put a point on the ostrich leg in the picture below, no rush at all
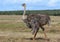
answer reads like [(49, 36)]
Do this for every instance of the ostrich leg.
[(35, 33), (44, 32)]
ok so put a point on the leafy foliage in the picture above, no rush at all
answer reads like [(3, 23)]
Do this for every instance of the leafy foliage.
[(49, 12)]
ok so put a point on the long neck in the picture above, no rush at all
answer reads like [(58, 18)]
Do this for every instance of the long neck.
[(24, 12)]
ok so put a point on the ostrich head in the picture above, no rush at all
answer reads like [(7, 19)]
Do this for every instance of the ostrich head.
[(24, 5)]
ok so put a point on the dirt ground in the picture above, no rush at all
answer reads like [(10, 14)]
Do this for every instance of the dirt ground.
[(27, 37)]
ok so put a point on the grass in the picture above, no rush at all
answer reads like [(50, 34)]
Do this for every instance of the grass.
[(15, 24), (13, 29)]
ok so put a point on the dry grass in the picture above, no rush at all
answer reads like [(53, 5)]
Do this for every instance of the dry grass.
[(13, 29), (15, 23), (27, 37)]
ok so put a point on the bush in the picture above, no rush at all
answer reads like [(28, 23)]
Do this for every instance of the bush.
[(48, 12)]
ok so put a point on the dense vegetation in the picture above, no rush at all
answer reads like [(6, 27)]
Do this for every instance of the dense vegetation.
[(49, 12)]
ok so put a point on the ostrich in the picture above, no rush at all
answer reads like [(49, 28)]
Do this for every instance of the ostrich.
[(36, 21)]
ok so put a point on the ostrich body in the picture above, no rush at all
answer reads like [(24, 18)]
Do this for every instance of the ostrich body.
[(36, 21)]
